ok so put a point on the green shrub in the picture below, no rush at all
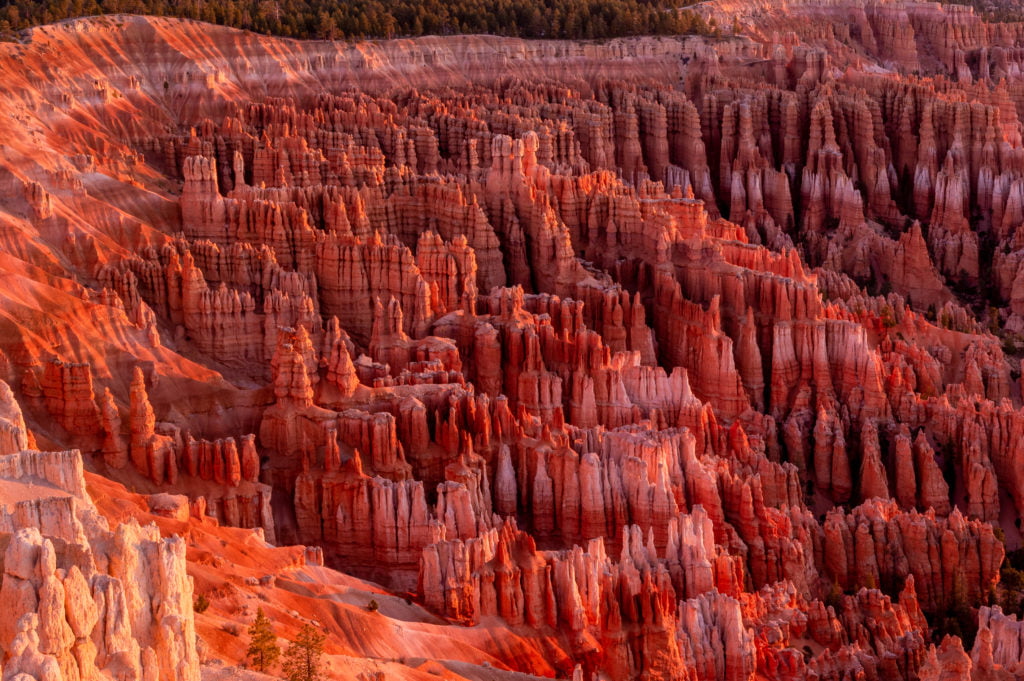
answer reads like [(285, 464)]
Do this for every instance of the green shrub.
[(202, 603)]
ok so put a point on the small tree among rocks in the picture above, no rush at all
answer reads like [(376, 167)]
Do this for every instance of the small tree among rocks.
[(263, 651), (302, 659)]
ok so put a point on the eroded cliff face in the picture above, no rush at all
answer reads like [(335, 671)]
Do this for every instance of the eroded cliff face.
[(81, 600), (663, 358)]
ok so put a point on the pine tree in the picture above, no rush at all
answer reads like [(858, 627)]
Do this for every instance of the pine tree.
[(302, 659), (263, 651)]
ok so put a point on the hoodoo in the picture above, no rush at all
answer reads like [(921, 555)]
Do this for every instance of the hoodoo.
[(680, 356)]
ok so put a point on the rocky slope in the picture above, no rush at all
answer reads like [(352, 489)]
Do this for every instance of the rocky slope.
[(646, 359)]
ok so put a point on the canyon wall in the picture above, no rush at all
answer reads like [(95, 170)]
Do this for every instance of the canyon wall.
[(682, 358)]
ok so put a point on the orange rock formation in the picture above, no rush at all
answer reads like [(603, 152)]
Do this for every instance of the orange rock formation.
[(652, 359)]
